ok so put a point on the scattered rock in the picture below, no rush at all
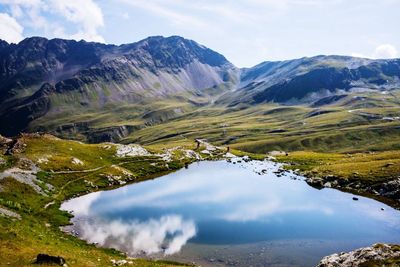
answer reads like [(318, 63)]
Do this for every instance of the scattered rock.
[(277, 153), (44, 160), (360, 257), (229, 155), (205, 151), (279, 172), (49, 204), (106, 147), (47, 259), (9, 213), (131, 150), (355, 198), (25, 174), (315, 182), (121, 262), (15, 146), (192, 154), (390, 189), (5, 141), (246, 159), (207, 145), (77, 161), (168, 153), (122, 170)]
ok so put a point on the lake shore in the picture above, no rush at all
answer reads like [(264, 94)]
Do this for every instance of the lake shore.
[(59, 163)]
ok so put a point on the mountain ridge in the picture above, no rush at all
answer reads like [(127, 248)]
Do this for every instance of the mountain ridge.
[(95, 75), (47, 84)]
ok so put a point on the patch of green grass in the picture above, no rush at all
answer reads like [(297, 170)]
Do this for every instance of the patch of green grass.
[(38, 231), (7, 162), (367, 167)]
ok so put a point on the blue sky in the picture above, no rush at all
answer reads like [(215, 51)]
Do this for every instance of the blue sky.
[(247, 32)]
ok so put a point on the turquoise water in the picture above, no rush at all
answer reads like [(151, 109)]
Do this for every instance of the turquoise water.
[(221, 213)]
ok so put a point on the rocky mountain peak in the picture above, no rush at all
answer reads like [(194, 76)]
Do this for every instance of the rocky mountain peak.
[(178, 51), (48, 78), (3, 44)]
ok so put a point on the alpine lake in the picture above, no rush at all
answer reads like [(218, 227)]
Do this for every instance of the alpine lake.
[(231, 213)]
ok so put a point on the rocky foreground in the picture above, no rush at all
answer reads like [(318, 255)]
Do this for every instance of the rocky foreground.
[(389, 189), (377, 255), (371, 174)]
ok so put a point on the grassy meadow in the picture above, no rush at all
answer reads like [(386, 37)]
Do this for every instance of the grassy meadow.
[(357, 138)]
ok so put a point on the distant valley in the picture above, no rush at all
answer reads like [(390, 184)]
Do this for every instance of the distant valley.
[(163, 89)]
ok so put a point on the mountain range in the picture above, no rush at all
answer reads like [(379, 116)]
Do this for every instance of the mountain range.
[(100, 92)]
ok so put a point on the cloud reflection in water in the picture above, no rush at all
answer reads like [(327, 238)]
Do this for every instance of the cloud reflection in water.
[(227, 203), (167, 234)]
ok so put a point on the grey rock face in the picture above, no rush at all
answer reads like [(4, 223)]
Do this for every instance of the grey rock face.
[(38, 72), (377, 254)]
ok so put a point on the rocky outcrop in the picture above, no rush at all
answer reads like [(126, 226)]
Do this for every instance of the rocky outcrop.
[(389, 189), (25, 171), (4, 144), (377, 255), (9, 213)]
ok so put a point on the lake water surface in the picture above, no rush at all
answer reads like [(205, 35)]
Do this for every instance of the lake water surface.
[(225, 214)]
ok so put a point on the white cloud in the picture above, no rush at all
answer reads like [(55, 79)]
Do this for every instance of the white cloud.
[(385, 51), (16, 11), (10, 29), (30, 8), (21, 2), (85, 13)]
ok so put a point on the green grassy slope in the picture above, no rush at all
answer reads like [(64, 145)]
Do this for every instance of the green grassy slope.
[(353, 124), (37, 230)]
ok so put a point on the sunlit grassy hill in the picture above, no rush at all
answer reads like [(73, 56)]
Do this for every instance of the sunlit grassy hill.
[(43, 171)]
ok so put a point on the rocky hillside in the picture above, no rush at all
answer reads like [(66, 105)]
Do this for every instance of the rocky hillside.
[(308, 80), (99, 92), (40, 76)]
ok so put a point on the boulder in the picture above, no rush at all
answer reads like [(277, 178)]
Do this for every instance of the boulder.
[(4, 144), (390, 189)]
